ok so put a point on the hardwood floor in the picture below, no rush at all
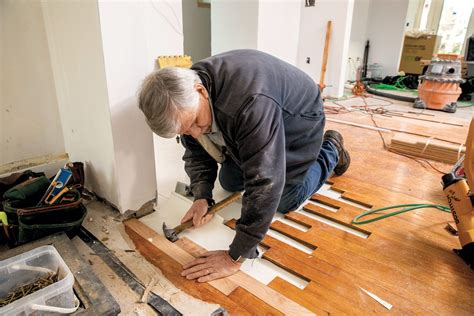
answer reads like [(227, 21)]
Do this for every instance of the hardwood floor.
[(406, 260)]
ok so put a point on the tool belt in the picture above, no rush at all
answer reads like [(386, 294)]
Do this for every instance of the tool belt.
[(29, 220)]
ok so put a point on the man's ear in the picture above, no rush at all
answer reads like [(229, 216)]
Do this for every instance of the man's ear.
[(201, 90)]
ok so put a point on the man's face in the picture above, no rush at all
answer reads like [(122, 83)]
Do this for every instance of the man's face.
[(199, 122)]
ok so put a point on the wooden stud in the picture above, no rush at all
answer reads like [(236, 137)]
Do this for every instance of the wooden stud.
[(324, 63)]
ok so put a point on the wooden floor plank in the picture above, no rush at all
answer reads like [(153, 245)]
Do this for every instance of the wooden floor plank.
[(172, 270), (297, 295), (409, 272), (226, 286), (395, 279), (333, 279), (407, 257), (337, 285), (414, 229), (321, 296), (430, 234), (372, 164), (252, 303), (253, 286), (428, 214), (142, 235)]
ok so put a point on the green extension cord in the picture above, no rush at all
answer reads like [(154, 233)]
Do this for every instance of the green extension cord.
[(405, 208)]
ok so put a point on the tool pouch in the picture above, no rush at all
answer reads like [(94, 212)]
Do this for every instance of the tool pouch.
[(78, 177), (27, 221), (14, 179)]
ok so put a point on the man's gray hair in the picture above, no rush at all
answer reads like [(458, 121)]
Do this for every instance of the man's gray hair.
[(166, 93)]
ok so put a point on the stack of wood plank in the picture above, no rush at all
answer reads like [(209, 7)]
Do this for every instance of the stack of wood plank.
[(427, 148)]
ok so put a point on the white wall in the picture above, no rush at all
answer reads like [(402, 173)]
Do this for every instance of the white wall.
[(469, 32), (386, 27), (29, 121), (275, 36), (168, 153), (133, 35), (267, 25), (197, 30), (413, 15), (359, 29), (312, 38), (434, 16), (73, 32), (234, 25), (289, 31), (383, 23), (358, 37)]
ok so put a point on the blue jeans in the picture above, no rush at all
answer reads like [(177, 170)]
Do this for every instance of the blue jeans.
[(231, 178)]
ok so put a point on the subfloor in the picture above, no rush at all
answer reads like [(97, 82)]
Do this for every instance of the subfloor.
[(406, 261)]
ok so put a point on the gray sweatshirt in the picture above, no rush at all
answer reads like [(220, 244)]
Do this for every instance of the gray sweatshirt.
[(271, 117)]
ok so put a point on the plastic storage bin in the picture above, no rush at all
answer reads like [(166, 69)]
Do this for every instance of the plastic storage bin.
[(28, 267), (374, 71)]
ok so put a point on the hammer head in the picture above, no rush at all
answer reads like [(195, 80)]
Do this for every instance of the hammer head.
[(170, 233)]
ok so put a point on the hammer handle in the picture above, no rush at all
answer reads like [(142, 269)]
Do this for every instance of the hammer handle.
[(214, 209)]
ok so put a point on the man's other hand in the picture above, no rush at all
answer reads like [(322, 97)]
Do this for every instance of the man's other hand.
[(210, 266), (197, 213)]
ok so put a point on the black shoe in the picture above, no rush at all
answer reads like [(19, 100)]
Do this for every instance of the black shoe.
[(335, 138)]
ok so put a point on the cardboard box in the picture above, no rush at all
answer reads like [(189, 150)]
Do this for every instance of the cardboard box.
[(416, 49)]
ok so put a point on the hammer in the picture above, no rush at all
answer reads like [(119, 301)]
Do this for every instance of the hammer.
[(172, 233)]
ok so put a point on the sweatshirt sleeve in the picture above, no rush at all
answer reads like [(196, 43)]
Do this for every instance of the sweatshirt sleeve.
[(261, 146), (200, 167)]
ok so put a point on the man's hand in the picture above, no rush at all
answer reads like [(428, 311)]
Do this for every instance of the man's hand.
[(197, 213), (210, 266)]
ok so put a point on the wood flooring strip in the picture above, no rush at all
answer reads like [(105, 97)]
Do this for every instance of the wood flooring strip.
[(355, 197), (373, 164), (152, 239), (395, 287), (430, 232), (441, 300), (428, 213), (332, 260), (424, 283), (226, 286), (300, 297), (408, 247), (450, 133), (337, 286), (408, 261), (407, 256), (383, 198), (171, 268), (322, 297), (253, 286), (269, 295), (416, 229), (252, 303)]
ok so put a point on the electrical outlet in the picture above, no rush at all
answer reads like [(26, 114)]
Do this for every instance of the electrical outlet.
[(308, 60)]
